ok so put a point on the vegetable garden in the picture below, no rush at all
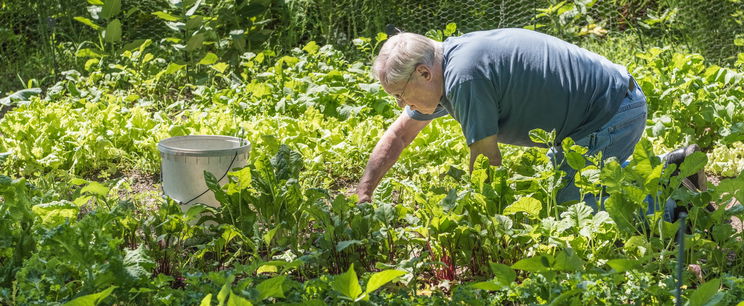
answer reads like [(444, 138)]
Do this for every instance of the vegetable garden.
[(83, 220)]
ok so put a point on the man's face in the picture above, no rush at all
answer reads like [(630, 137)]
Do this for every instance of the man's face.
[(416, 91)]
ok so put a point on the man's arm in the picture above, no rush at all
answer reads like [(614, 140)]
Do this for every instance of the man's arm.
[(398, 136), (487, 146)]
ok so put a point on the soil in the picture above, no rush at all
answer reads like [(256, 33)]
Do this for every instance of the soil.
[(4, 109), (144, 188)]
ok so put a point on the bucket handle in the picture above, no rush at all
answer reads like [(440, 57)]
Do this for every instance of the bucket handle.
[(223, 176)]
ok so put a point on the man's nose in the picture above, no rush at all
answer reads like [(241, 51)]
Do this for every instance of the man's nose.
[(401, 104)]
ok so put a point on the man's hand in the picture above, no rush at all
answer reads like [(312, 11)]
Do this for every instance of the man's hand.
[(487, 146), (398, 136), (364, 197)]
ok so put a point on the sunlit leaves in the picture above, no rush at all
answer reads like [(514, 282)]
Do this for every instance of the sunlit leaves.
[(381, 278), (91, 299), (705, 292), (543, 137), (271, 288), (87, 22), (528, 205), (208, 59), (347, 284), (165, 16)]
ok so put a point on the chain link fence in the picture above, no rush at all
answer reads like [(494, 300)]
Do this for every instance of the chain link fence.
[(38, 38), (708, 27)]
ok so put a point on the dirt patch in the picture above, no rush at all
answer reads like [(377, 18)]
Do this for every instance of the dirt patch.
[(142, 188), (4, 109)]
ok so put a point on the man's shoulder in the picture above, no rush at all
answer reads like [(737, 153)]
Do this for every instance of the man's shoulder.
[(488, 36)]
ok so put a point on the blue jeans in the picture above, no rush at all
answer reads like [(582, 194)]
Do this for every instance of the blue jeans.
[(616, 138)]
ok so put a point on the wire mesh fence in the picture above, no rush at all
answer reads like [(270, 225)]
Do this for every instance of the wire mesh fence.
[(708, 27), (37, 37)]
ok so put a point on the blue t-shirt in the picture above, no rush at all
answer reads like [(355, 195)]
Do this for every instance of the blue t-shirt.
[(507, 82)]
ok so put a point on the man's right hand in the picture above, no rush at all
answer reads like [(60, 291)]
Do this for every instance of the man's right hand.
[(398, 136), (364, 198)]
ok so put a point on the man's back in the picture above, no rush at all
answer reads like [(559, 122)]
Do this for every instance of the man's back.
[(510, 81)]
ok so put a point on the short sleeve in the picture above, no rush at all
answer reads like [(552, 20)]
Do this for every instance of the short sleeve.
[(440, 111), (476, 106)]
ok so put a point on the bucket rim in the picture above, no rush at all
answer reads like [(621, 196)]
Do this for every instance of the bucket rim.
[(166, 146)]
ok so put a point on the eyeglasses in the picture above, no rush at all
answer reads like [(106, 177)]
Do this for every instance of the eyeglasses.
[(399, 97)]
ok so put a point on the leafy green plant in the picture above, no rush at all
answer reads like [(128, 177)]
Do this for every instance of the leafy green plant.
[(105, 22), (348, 284)]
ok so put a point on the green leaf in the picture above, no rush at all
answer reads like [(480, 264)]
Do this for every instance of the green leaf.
[(88, 67), (567, 261), (208, 59), (194, 23), (271, 288), (621, 212), (195, 210), (110, 8), (705, 292), (236, 300), (225, 291), (91, 299), (381, 36), (252, 10), (692, 164), (637, 245), (347, 284), (503, 274), (206, 301), (270, 235), (195, 42), (739, 41), (622, 264), (56, 212), (214, 186), (575, 160), (540, 263), (193, 9), (341, 245), (173, 68), (88, 22), (267, 269), (287, 163), (542, 137), (166, 16), (488, 286), (113, 31), (450, 29), (137, 264), (95, 2), (528, 205), (381, 278), (243, 182), (311, 48), (220, 67), (95, 188), (86, 52)]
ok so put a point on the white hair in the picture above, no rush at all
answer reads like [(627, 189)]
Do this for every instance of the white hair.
[(400, 55)]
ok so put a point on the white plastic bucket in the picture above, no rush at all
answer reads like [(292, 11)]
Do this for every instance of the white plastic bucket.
[(185, 158)]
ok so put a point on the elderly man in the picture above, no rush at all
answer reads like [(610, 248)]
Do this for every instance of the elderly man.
[(499, 85)]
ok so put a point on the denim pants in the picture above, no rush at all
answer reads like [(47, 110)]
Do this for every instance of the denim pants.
[(617, 138)]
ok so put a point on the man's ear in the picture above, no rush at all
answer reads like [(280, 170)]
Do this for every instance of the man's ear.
[(424, 71)]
